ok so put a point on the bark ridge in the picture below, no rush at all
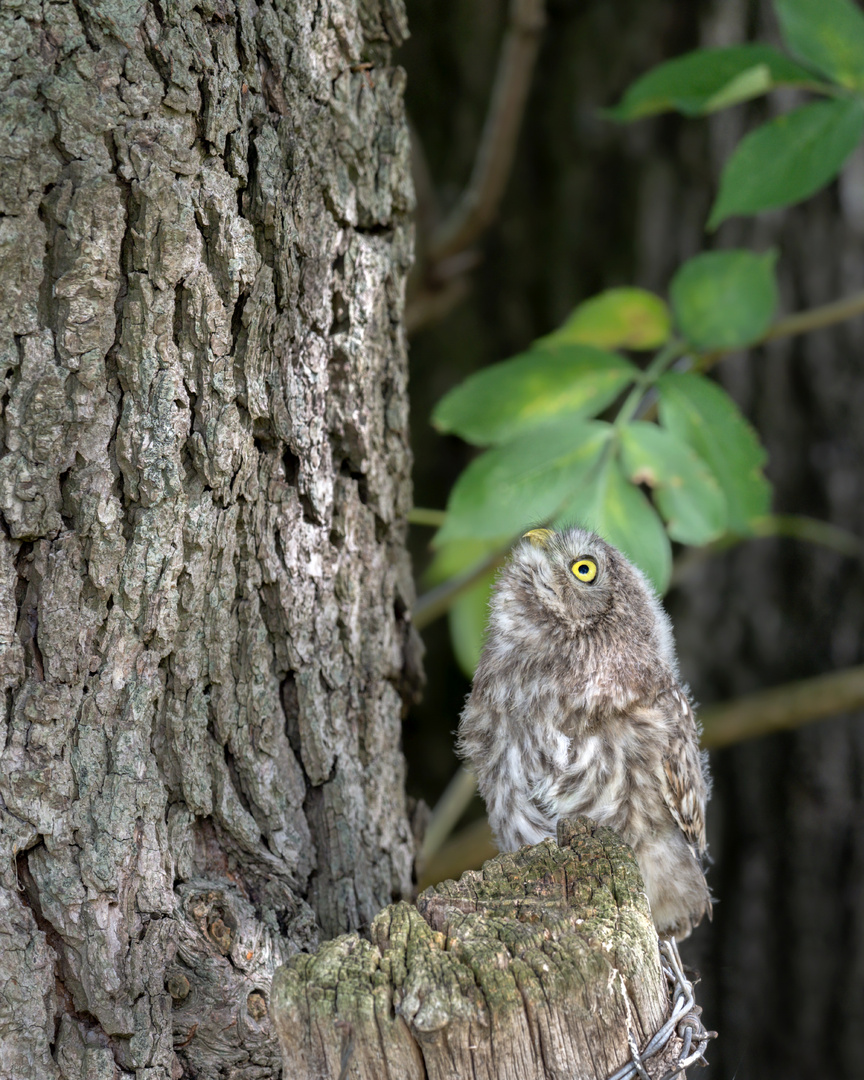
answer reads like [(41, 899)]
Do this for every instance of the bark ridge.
[(204, 482)]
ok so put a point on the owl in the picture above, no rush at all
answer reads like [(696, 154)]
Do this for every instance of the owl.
[(577, 708)]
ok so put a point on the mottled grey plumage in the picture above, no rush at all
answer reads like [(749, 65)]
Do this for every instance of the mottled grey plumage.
[(577, 708)]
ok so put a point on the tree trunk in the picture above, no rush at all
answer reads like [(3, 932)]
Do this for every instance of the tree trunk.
[(204, 486), (543, 965), (590, 205)]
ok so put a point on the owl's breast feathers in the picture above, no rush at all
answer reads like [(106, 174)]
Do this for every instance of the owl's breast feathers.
[(577, 708), (619, 746)]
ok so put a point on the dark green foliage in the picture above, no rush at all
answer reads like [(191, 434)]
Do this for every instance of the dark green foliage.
[(788, 159), (701, 462), (709, 79), (827, 35)]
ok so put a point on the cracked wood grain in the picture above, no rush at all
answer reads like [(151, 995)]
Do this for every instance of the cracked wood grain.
[(531, 969), (204, 482)]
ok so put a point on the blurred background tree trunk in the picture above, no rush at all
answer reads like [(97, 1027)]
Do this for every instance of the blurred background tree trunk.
[(204, 484), (591, 205)]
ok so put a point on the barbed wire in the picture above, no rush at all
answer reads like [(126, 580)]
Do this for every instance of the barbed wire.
[(685, 1023)]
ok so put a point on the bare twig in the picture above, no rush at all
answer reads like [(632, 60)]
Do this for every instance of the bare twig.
[(479, 202), (445, 279)]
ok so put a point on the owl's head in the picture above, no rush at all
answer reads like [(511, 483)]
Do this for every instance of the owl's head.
[(573, 582)]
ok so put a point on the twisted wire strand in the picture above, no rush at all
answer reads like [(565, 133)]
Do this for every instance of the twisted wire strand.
[(684, 1022)]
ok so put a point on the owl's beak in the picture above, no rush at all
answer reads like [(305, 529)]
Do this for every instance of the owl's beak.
[(539, 537)]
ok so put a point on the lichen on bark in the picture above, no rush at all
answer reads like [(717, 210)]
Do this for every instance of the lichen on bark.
[(204, 484)]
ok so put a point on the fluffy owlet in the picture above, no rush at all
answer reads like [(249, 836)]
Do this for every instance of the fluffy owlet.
[(577, 708)]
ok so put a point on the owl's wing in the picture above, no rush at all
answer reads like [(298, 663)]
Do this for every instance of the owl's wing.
[(683, 780)]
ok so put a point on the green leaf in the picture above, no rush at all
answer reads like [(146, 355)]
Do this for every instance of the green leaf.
[(620, 513), (749, 84), (709, 79), (684, 489), (617, 318), (451, 560), (519, 394), (699, 412), (468, 618), (523, 482), (725, 299), (828, 35), (788, 159)]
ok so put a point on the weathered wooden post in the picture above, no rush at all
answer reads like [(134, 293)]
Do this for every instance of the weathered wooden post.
[(544, 964)]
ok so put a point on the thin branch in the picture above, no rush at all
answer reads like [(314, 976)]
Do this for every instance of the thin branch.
[(794, 526), (479, 202), (444, 258), (448, 810), (431, 305), (817, 318), (467, 850), (783, 707)]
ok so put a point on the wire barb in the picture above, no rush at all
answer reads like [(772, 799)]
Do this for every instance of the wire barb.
[(684, 1022)]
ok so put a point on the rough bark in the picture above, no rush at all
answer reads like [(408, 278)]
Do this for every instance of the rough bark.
[(203, 488), (593, 205), (534, 968)]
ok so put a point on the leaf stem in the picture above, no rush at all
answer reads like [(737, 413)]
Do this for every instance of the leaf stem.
[(664, 359), (421, 515)]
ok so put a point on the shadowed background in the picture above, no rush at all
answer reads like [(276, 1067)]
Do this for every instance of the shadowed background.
[(590, 205)]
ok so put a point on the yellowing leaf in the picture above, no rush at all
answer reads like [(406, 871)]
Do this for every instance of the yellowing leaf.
[(617, 318), (553, 380)]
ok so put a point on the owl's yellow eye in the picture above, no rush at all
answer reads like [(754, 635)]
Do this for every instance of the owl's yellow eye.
[(585, 570)]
